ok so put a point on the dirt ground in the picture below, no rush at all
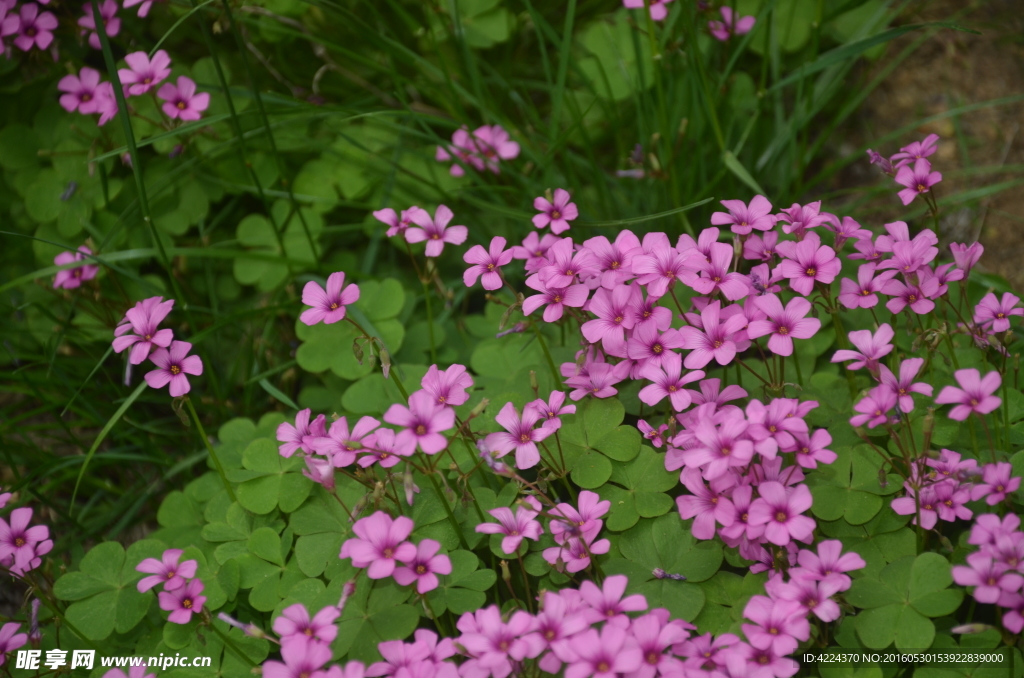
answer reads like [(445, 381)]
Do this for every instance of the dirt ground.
[(955, 69)]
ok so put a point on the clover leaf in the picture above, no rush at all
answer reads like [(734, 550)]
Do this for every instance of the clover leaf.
[(637, 490), (373, 614), (268, 480), (463, 589)]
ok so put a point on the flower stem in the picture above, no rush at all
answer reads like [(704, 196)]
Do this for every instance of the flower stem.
[(209, 448), (547, 355)]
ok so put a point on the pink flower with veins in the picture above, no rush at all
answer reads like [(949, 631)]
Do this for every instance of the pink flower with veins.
[(21, 545), (342, 445), (613, 260), (727, 27), (557, 213), (515, 527), (916, 151), (107, 103), (845, 230), (435, 232), (918, 180), (966, 256), (448, 388), (741, 218), (909, 256), (302, 435), (552, 410), (830, 564), (172, 367), (996, 483), (657, 8), (381, 541), (462, 147), (813, 597), (183, 602), (608, 600), (990, 578), (321, 471), (328, 306), (722, 446), (10, 639), (534, 250), (780, 510), (599, 381), (661, 268), (669, 381), (905, 385), (864, 292), (576, 553), (646, 313), (866, 250), (34, 29), (974, 394), (711, 391), (167, 571), (496, 644), (715, 273), (808, 262), (872, 347), (778, 624), (423, 422), (873, 409), (995, 314), (302, 660), (144, 73), (80, 91), (651, 347), (397, 225), (783, 324), (706, 506), (714, 341), (144, 6), (384, 449), (613, 317), (144, 318), (555, 298), (493, 145), (294, 622), (181, 101), (111, 24), (898, 231), (72, 278), (797, 219), (486, 264), (519, 435), (813, 449), (424, 567), (585, 523), (654, 435), (566, 265), (608, 654), (761, 247), (741, 531), (553, 626)]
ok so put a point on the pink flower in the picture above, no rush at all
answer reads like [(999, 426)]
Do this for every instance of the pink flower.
[(741, 218), (142, 73), (917, 296), (845, 230), (80, 91), (111, 24), (34, 29), (863, 293), (447, 388), (613, 260), (606, 655), (301, 660), (812, 596), (422, 421), (294, 622), (10, 639), (884, 164), (519, 435), (302, 435), (668, 381), (654, 634), (652, 434), (144, 318), (707, 506), (553, 626), (724, 29), (917, 180), (974, 394), (778, 624), (908, 256), (381, 542), (181, 101), (715, 341), (106, 104), (716, 276), (328, 306), (558, 213), (555, 298), (607, 601), (598, 381), (384, 449), (534, 250), (783, 325), (486, 264), (183, 602), (996, 483), (566, 266), (321, 471), (657, 8), (991, 579), (780, 509), (661, 268), (341, 445), (916, 151), (808, 262), (493, 145), (797, 219), (172, 367), (553, 410), (21, 545), (966, 256), (711, 391), (166, 571), (495, 644), (872, 347), (650, 347), (904, 386), (143, 7), (396, 225), (514, 527), (576, 553), (761, 247), (436, 231), (830, 564), (721, 445), (424, 567), (996, 313), (874, 408), (569, 522), (612, 308), (71, 278)]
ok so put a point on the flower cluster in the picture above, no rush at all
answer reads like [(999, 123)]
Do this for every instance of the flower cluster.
[(21, 546), (433, 231), (911, 168), (483, 148), (996, 569), (381, 545), (182, 592), (522, 433), (306, 645), (149, 341)]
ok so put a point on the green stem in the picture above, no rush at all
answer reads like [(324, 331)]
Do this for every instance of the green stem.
[(547, 355), (209, 448), (448, 509), (430, 321)]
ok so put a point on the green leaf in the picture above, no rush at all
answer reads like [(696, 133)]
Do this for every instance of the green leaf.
[(914, 630), (621, 443), (877, 627), (592, 470), (733, 164), (266, 544)]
